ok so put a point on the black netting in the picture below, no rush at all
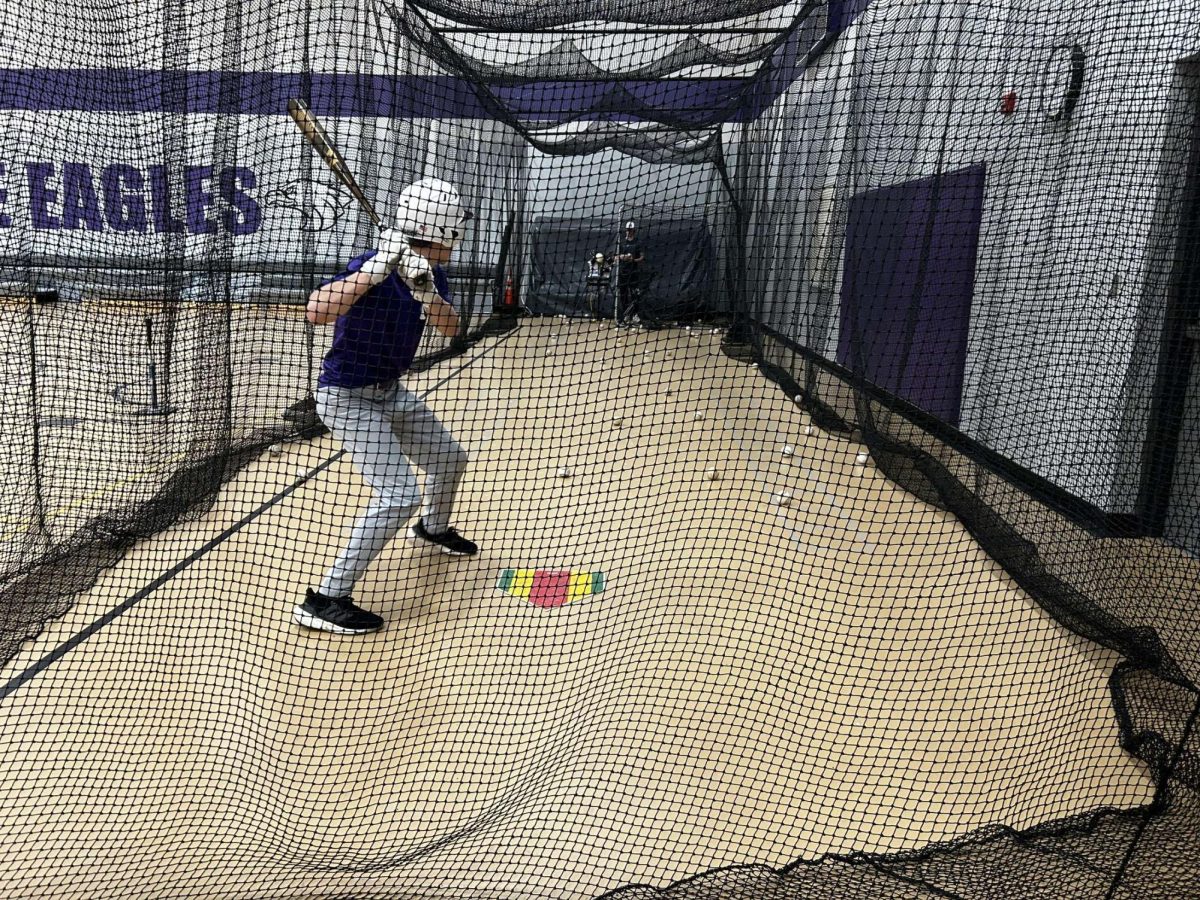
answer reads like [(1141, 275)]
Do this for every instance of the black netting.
[(536, 16), (653, 144), (790, 490), (567, 57)]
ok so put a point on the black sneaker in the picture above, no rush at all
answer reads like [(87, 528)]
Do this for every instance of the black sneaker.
[(449, 540), (337, 614)]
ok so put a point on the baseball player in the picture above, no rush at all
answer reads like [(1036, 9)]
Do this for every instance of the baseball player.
[(380, 306), (629, 277)]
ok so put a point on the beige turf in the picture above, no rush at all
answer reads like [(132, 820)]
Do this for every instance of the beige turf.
[(756, 683)]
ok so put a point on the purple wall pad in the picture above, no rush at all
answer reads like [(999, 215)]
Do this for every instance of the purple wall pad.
[(907, 287)]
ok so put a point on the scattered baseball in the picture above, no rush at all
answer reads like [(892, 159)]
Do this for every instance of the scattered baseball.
[(618, 422), (783, 498), (712, 474), (564, 472), (276, 449), (699, 416), (861, 459), (808, 429), (789, 450)]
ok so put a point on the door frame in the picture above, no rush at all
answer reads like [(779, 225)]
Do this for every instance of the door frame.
[(1180, 337)]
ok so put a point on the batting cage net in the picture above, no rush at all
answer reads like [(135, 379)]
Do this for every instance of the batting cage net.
[(610, 449)]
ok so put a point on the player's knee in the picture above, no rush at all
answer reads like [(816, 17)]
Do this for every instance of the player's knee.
[(398, 503), (457, 457), (451, 460)]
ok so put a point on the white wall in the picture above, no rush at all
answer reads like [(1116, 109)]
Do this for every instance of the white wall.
[(1067, 235), (796, 252), (1068, 212)]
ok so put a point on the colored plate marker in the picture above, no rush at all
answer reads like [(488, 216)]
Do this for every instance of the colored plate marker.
[(549, 588)]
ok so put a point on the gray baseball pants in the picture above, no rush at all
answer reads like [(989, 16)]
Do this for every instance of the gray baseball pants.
[(384, 427)]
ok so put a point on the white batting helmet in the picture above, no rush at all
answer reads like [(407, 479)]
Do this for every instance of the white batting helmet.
[(630, 226), (431, 210)]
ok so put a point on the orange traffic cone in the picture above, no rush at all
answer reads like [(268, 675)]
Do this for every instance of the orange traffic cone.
[(507, 304)]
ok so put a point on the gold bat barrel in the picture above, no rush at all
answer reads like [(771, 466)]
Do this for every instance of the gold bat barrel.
[(316, 135)]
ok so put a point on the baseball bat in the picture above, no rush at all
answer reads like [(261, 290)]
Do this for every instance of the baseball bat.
[(317, 136)]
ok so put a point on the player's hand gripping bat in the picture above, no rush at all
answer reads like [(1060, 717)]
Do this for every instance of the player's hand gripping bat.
[(316, 135)]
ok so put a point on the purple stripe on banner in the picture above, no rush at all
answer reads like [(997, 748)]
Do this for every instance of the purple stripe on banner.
[(254, 93), (690, 101)]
